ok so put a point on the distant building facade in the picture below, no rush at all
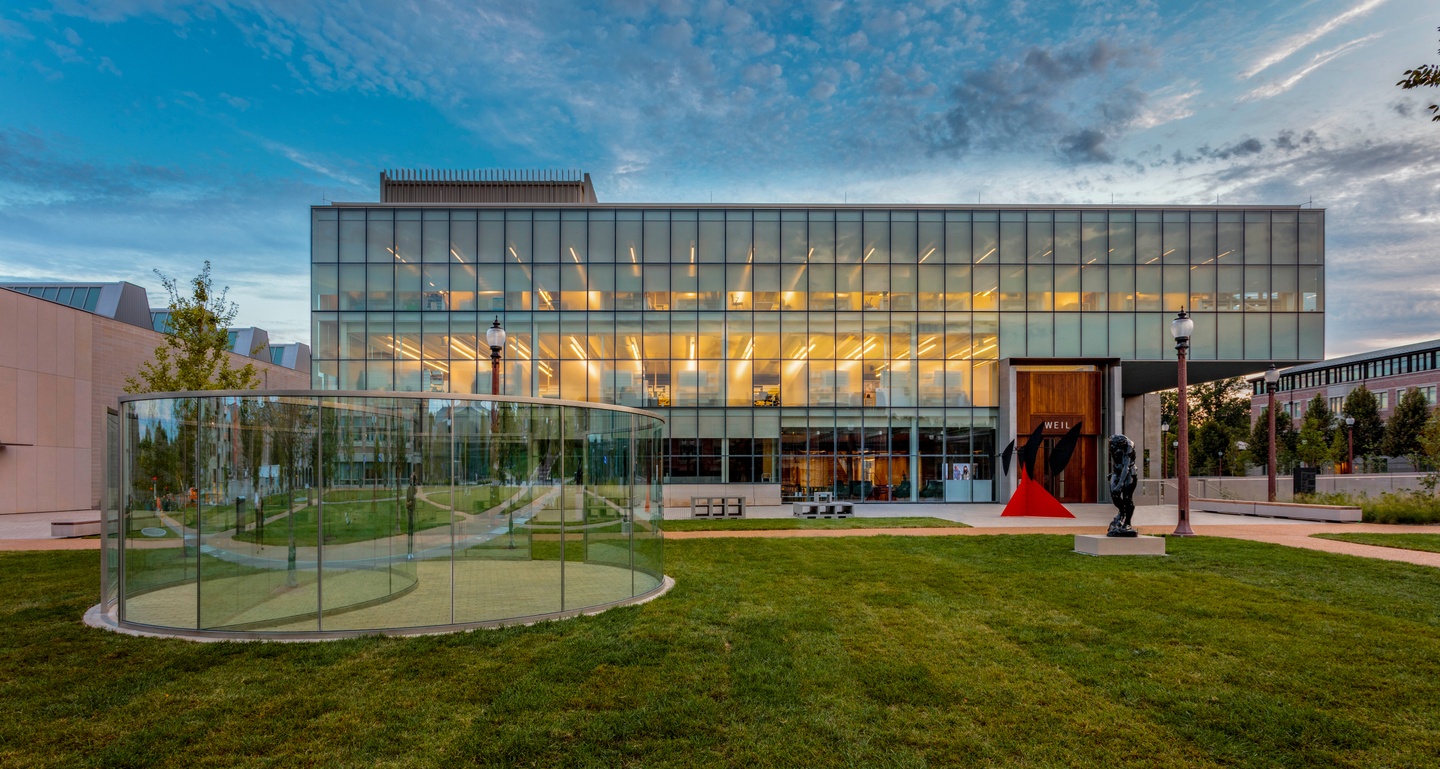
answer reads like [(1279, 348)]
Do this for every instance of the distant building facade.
[(1388, 373), (65, 351)]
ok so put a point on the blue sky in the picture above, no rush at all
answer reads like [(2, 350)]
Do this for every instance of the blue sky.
[(144, 134)]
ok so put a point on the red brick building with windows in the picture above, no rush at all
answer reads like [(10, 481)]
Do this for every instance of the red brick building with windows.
[(1388, 373)]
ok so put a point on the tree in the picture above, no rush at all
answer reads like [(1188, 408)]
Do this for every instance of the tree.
[(1319, 416), (1314, 448), (1369, 429), (1225, 401), (1423, 76), (1210, 442), (1285, 440), (1402, 432), (1430, 448), (196, 352)]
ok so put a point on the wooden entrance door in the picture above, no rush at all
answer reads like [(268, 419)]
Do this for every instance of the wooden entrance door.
[(1056, 401)]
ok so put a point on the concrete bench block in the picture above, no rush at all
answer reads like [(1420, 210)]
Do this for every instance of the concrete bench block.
[(1099, 544), (74, 528)]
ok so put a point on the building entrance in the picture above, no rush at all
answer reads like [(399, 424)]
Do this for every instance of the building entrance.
[(1069, 485), (1057, 400)]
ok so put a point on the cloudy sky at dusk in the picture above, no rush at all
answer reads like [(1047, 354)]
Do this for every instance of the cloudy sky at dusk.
[(144, 134)]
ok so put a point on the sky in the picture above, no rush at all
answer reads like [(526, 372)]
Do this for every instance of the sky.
[(143, 135)]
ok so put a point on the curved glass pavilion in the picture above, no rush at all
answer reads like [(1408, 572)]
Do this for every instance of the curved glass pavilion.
[(308, 514)]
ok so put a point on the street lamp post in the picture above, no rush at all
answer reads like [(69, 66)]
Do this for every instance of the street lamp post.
[(1181, 328), (495, 338), (1164, 444), (1350, 445), (1272, 378)]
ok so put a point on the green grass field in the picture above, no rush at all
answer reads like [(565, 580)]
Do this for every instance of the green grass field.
[(1430, 543), (346, 522), (995, 651), (783, 524)]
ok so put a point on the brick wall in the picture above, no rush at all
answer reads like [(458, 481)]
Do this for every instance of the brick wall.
[(1395, 385)]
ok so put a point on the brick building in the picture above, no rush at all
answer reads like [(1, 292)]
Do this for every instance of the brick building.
[(1388, 373)]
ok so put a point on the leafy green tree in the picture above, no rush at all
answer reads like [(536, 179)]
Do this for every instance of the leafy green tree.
[(1369, 429), (1423, 76), (1213, 451), (1285, 440), (1224, 401), (1402, 432), (1314, 449), (1430, 449), (195, 353), (1319, 416)]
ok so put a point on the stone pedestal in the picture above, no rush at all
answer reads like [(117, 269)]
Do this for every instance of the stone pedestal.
[(1099, 544)]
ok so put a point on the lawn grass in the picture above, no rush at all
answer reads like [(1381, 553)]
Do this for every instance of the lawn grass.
[(1003, 650), (1429, 543), (784, 524), (346, 522)]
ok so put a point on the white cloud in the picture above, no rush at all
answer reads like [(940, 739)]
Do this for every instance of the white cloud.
[(302, 159), (1293, 44), (1321, 59)]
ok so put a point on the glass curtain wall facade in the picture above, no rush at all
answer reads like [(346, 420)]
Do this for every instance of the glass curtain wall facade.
[(845, 349)]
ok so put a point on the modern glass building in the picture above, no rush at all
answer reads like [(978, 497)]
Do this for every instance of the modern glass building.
[(873, 352)]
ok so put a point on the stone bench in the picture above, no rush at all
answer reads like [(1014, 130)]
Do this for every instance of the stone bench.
[(823, 510), (1299, 512), (75, 528), (717, 507)]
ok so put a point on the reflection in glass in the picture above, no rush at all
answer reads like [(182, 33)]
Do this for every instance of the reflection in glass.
[(304, 513)]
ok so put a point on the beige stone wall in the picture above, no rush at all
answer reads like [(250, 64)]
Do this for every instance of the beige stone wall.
[(60, 370)]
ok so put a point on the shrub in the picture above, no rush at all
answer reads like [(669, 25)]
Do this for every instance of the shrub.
[(1409, 507)]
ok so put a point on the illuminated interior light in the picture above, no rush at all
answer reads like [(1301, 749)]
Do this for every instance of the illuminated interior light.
[(927, 255), (464, 348), (457, 256), (574, 255), (634, 348), (986, 256), (632, 256), (692, 254), (749, 350), (574, 345), (1167, 253), (395, 254), (517, 256), (810, 255), (751, 257), (692, 348), (868, 255)]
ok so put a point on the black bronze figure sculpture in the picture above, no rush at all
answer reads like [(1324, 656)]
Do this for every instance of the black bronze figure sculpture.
[(1122, 485)]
